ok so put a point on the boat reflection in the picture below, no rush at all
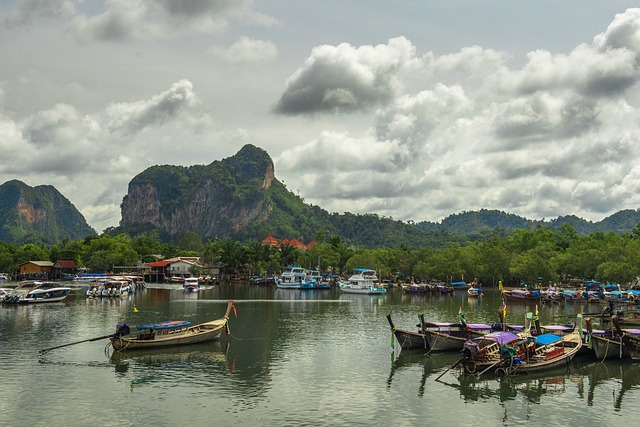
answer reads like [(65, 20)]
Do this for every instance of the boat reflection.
[(187, 364), (532, 388), (624, 374), (587, 378), (429, 363)]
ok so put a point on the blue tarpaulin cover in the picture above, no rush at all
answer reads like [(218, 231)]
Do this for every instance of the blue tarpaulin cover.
[(545, 339), (169, 324)]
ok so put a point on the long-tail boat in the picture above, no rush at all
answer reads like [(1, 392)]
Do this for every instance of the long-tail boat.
[(169, 333), (507, 353), (438, 336)]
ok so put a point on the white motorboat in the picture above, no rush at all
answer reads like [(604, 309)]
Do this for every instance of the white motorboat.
[(294, 277), (191, 284), (35, 291), (363, 281)]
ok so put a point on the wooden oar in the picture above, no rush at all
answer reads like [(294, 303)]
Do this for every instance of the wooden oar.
[(44, 350), (489, 367), (450, 368)]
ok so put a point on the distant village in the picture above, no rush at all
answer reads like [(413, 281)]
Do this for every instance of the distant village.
[(163, 270)]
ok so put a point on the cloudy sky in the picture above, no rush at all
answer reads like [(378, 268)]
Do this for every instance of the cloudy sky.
[(409, 109)]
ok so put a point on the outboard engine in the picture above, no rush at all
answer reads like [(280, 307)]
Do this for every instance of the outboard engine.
[(121, 330), (470, 350)]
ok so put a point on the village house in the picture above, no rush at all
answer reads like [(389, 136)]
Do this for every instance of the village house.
[(64, 269), (272, 241), (36, 270), (175, 269)]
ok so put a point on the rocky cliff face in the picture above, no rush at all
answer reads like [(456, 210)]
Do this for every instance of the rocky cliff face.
[(214, 200), (38, 215)]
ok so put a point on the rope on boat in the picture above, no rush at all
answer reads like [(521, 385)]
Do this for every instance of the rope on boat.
[(606, 351)]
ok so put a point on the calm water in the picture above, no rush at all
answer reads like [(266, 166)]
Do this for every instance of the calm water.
[(293, 358)]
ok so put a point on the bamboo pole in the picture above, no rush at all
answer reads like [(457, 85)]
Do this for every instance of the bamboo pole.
[(44, 350)]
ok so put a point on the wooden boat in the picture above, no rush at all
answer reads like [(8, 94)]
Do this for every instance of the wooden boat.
[(485, 352), (474, 292), (508, 354), (609, 344), (436, 336), (416, 288), (460, 285), (408, 339), (169, 333), (452, 336), (542, 353), (630, 340), (521, 295)]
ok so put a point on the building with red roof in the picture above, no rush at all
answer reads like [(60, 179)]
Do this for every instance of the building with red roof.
[(272, 241)]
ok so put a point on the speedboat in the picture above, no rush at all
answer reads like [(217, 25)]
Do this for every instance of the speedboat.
[(35, 291), (474, 292), (191, 284)]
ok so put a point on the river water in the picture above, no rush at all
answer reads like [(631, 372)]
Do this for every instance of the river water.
[(292, 358)]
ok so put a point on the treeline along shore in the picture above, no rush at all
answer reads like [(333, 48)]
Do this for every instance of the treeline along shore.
[(538, 256)]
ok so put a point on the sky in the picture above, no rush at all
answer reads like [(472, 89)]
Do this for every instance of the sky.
[(412, 110)]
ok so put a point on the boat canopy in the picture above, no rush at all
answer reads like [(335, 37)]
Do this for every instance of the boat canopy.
[(478, 326), (561, 328), (545, 339), (500, 337), (169, 324)]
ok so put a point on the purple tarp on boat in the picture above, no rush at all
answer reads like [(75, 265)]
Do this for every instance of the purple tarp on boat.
[(478, 326), (500, 337)]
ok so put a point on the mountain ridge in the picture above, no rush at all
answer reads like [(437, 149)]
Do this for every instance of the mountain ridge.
[(239, 198), (39, 214)]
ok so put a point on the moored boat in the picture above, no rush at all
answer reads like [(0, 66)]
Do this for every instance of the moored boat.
[(191, 284), (632, 344), (522, 355), (474, 291), (485, 352), (363, 281), (452, 336), (609, 344), (416, 288), (35, 291), (294, 277), (521, 295), (438, 336), (316, 276), (169, 333), (460, 285), (408, 339), (508, 354)]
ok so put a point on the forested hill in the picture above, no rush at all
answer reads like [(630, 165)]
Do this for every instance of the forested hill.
[(482, 221), (38, 215), (240, 198)]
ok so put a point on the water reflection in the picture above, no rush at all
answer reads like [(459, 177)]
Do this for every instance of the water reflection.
[(588, 378), (624, 375), (532, 388), (195, 365), (429, 364)]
